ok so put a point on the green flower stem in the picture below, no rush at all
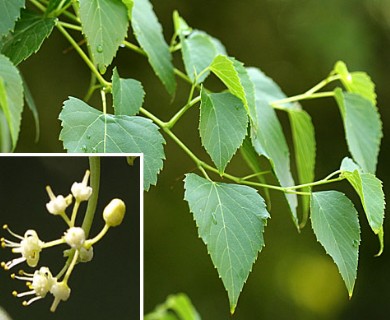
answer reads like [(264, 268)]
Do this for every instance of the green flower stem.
[(71, 266), (74, 213), (83, 55), (66, 219), (278, 103), (53, 243), (92, 241), (94, 167)]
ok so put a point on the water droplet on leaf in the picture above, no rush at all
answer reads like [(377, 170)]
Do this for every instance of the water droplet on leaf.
[(84, 148), (99, 48), (355, 243), (88, 136)]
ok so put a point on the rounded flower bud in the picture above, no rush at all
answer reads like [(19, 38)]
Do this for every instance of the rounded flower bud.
[(86, 255), (114, 212), (75, 237)]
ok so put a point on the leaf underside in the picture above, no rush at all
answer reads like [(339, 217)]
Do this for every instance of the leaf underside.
[(9, 14), (11, 97), (148, 32), (230, 220), (363, 128), (267, 135), (105, 24), (86, 129), (222, 126), (336, 226)]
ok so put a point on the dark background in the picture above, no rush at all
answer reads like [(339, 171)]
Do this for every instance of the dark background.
[(296, 42), (108, 286)]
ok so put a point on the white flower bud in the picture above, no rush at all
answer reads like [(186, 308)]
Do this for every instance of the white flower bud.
[(80, 190), (57, 204), (114, 212), (75, 237)]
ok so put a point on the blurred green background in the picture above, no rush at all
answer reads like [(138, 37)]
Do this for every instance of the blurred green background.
[(296, 42)]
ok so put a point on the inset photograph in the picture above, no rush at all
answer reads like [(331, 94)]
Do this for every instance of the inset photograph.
[(70, 236)]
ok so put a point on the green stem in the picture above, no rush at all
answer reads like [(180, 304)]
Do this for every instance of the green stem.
[(182, 75), (69, 26), (181, 112), (316, 183), (133, 47), (278, 103), (94, 167), (202, 165), (254, 175), (322, 84), (38, 5), (83, 55)]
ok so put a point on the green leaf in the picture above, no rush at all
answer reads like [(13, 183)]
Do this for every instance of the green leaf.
[(230, 220), (176, 307), (336, 226), (128, 95), (369, 189), (148, 32), (356, 82), (363, 128), (233, 74), (9, 14), (222, 126), (105, 24), (267, 135), (305, 149), (180, 25), (30, 32), (129, 5), (5, 136), (11, 96), (33, 108), (199, 50), (85, 129)]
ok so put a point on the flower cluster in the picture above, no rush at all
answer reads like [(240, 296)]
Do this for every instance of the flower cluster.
[(41, 281)]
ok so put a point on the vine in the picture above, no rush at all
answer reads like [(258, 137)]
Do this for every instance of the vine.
[(230, 217)]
